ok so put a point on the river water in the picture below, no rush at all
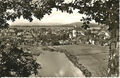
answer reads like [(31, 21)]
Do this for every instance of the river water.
[(55, 64)]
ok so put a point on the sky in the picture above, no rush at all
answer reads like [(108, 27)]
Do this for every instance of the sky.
[(56, 17)]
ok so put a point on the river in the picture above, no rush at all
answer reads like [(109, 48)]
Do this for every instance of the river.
[(55, 64)]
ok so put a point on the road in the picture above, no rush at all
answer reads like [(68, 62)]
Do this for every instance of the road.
[(94, 58)]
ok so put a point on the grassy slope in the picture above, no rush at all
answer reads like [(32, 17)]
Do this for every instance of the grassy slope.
[(94, 58)]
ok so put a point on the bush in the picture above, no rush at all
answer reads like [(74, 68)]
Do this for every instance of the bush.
[(14, 62)]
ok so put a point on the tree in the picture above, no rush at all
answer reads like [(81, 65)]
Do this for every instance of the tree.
[(14, 62), (25, 8), (102, 11)]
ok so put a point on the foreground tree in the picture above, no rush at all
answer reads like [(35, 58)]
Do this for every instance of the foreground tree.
[(102, 11), (14, 62)]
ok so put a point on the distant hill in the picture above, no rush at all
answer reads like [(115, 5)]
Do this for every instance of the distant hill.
[(36, 24), (77, 24), (80, 24)]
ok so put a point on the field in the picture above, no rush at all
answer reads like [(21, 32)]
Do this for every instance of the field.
[(94, 58)]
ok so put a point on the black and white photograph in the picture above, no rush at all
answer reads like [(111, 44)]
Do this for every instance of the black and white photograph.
[(59, 38)]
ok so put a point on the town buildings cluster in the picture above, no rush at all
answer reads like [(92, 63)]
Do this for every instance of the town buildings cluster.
[(55, 36)]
